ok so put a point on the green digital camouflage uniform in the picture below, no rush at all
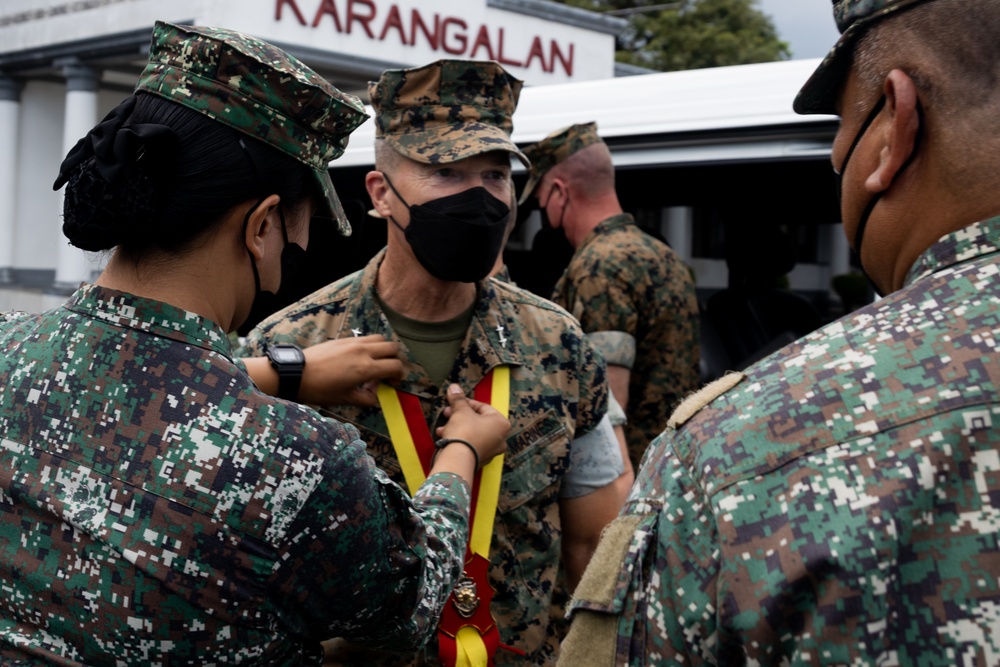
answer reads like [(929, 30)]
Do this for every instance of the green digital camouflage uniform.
[(837, 505), (155, 508), (558, 393), (258, 90), (636, 300)]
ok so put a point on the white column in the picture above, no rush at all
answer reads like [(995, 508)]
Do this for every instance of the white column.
[(840, 251), (532, 225), (10, 107), (81, 116), (677, 227)]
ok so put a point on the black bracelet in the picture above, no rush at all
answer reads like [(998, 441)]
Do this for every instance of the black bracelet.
[(444, 442)]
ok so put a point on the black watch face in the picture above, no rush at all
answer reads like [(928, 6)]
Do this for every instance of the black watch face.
[(286, 355)]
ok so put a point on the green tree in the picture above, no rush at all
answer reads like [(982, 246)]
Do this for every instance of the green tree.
[(690, 34)]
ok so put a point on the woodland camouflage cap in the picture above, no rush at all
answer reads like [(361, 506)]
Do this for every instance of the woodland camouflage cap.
[(446, 111), (853, 18), (555, 148), (259, 90)]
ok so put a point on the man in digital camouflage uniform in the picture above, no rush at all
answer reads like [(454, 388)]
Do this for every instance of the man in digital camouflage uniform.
[(632, 294), (839, 503), (442, 182)]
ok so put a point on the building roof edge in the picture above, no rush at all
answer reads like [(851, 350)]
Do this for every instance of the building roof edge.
[(554, 11)]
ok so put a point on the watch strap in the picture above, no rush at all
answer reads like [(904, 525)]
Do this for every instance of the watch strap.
[(289, 373)]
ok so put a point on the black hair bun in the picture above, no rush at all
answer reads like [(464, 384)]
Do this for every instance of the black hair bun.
[(113, 175), (98, 215)]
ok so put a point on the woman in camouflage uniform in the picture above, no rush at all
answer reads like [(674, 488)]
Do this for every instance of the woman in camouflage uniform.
[(155, 506)]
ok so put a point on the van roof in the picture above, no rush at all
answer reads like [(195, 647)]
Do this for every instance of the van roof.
[(670, 117)]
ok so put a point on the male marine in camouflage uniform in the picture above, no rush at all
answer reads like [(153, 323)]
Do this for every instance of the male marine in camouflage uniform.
[(840, 502), (631, 292), (155, 507), (442, 135)]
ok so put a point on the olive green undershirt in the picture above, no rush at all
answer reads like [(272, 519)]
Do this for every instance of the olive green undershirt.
[(433, 345)]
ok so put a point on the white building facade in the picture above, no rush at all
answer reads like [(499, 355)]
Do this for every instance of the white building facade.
[(65, 63)]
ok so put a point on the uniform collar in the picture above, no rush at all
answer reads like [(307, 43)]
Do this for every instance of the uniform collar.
[(153, 317), (607, 226), (976, 240), (492, 339)]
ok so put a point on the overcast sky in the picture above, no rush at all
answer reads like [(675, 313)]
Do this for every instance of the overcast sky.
[(807, 25)]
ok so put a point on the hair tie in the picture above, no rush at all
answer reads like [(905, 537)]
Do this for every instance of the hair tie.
[(116, 148)]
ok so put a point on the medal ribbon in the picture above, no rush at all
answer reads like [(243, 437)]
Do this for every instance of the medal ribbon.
[(470, 644)]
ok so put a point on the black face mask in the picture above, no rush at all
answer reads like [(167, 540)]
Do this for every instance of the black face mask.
[(870, 206), (839, 175), (546, 223), (292, 287), (456, 238), (543, 210)]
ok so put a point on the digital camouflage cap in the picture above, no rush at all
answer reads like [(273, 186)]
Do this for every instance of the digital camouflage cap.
[(555, 148), (259, 90), (446, 111), (853, 18)]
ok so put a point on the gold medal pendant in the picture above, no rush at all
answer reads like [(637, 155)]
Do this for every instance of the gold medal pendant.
[(465, 598), (470, 600)]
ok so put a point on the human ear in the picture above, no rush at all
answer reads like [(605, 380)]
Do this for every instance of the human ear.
[(557, 190), (901, 129), (378, 190), (259, 225)]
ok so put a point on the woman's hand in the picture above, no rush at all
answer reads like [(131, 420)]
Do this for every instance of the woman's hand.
[(337, 372), (346, 371), (479, 424)]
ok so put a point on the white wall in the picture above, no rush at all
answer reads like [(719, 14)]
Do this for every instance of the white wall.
[(510, 35), (34, 24), (29, 301), (37, 227)]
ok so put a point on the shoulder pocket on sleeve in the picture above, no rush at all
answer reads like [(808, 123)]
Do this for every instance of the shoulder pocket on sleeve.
[(616, 564), (605, 600)]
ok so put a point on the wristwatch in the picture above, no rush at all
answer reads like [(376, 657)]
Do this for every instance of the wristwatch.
[(289, 362)]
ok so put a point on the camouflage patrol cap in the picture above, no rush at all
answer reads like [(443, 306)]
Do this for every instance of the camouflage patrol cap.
[(259, 90), (555, 148), (446, 111), (853, 18)]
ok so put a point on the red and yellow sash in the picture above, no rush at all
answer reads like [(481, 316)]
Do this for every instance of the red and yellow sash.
[(467, 633)]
